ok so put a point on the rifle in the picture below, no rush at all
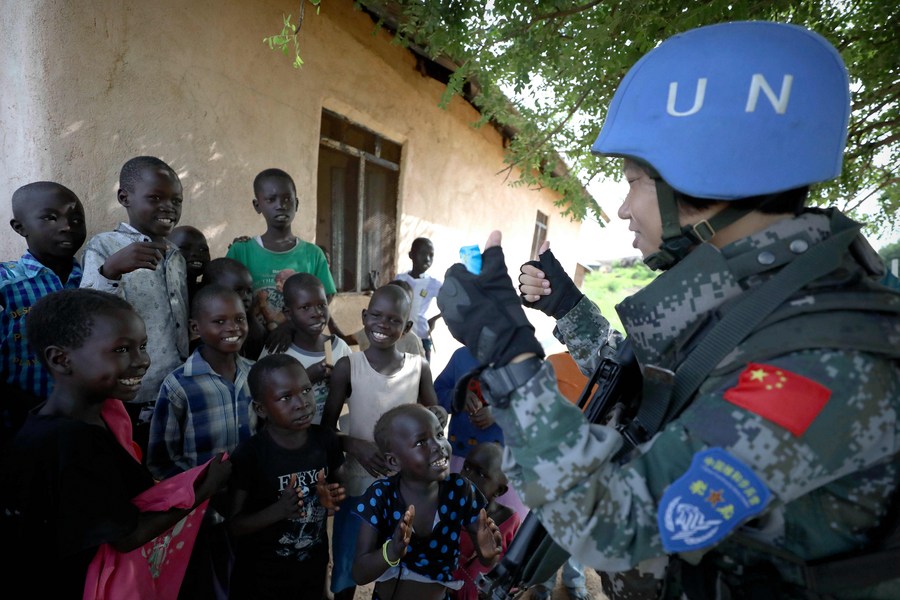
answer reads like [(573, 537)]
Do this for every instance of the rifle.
[(610, 398)]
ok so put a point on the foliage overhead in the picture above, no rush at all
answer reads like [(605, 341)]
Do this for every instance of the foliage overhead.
[(548, 70)]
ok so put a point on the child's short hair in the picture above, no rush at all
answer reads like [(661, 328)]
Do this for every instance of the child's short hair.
[(383, 434), (301, 281), (395, 292), (402, 284), (207, 293), (66, 318), (256, 379), (418, 242), (22, 196), (270, 174), (133, 170), (217, 267)]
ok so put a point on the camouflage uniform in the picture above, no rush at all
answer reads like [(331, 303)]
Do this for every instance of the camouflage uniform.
[(831, 485)]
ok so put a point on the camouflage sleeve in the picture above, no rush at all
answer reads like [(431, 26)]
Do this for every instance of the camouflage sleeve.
[(602, 514), (586, 333), (605, 514)]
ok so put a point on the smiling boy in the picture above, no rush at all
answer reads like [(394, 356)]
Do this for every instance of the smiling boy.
[(203, 405), (203, 409), (137, 263), (51, 219), (370, 383), (68, 478)]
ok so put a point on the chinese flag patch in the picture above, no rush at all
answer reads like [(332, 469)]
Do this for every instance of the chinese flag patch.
[(787, 399)]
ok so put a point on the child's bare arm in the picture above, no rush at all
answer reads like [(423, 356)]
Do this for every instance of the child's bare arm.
[(372, 556), (338, 391), (488, 539), (151, 524), (286, 507), (427, 395)]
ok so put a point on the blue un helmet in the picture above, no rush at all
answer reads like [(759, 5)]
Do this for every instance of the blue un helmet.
[(726, 112)]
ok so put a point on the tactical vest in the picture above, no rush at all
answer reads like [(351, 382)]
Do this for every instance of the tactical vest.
[(868, 312)]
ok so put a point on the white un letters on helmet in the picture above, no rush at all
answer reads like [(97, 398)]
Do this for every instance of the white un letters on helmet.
[(734, 110), (758, 84)]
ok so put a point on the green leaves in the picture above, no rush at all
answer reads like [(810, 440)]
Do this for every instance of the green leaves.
[(548, 69), (287, 40)]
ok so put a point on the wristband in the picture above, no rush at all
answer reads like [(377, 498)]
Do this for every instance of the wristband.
[(384, 554)]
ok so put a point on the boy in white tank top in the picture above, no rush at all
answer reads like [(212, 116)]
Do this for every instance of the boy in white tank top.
[(371, 382)]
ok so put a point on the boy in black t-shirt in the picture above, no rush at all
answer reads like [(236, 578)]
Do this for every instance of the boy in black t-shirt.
[(68, 477), (280, 497)]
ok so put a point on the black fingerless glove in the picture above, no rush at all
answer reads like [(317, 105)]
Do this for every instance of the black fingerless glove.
[(565, 294), (484, 312)]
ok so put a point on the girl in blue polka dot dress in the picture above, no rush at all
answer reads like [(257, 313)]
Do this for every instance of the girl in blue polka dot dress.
[(409, 541)]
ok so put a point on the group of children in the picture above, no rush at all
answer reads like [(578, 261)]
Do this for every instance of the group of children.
[(147, 359)]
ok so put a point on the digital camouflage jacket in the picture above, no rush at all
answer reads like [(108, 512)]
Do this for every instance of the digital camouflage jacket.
[(830, 478)]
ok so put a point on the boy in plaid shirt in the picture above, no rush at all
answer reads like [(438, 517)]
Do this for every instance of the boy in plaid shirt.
[(51, 219)]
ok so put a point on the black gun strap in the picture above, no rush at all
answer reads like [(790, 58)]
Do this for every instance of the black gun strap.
[(739, 322)]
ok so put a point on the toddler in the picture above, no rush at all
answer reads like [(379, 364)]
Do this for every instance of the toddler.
[(409, 541)]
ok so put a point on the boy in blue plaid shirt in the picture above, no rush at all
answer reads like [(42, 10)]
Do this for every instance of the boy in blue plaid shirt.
[(203, 409), (51, 219), (203, 406)]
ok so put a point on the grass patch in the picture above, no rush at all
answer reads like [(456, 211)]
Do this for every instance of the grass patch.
[(606, 289)]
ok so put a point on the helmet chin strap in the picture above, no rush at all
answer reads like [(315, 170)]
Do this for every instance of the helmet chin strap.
[(678, 240)]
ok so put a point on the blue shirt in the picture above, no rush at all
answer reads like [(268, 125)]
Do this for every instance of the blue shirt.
[(22, 283), (463, 434), (198, 414)]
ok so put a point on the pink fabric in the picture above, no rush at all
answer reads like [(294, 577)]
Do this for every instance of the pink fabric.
[(155, 570), (470, 566), (119, 423)]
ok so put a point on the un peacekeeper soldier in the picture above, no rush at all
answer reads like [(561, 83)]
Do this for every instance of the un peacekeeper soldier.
[(771, 468)]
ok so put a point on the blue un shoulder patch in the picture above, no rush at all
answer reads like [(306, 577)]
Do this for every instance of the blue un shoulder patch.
[(715, 495)]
